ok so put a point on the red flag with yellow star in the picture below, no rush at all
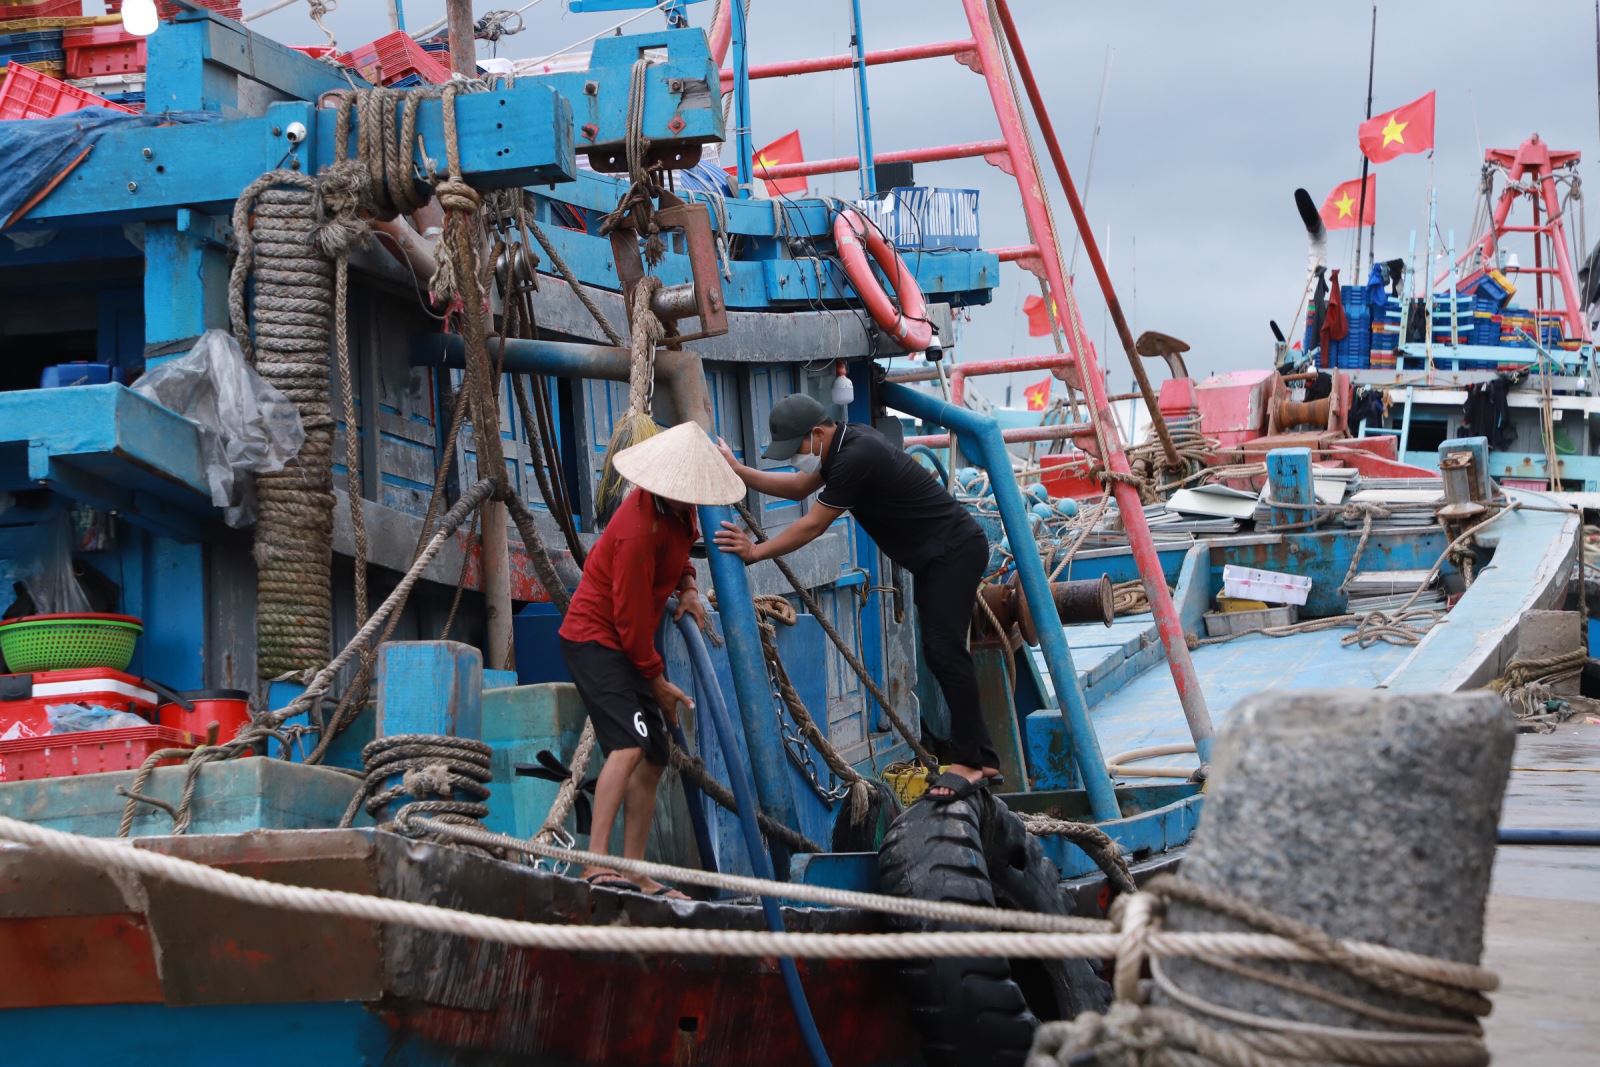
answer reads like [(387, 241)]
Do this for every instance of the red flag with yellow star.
[(785, 149), (1037, 395), (1038, 317), (1394, 133), (1340, 209)]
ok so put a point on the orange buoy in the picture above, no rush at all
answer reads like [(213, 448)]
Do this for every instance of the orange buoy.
[(907, 324)]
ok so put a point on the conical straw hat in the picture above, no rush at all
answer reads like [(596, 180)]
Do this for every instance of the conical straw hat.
[(681, 464)]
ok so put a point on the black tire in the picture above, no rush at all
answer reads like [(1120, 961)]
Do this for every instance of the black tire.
[(968, 1011)]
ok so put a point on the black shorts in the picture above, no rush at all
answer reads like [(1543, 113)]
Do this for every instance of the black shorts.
[(620, 702)]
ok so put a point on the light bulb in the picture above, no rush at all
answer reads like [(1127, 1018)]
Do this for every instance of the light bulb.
[(139, 17)]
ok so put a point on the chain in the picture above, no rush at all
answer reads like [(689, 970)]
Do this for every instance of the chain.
[(799, 752)]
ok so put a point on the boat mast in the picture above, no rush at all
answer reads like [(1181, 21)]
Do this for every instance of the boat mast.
[(1372, 54)]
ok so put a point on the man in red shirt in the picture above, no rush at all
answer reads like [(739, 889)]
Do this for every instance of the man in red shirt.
[(608, 636)]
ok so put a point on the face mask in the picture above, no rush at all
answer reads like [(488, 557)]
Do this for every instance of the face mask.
[(806, 463)]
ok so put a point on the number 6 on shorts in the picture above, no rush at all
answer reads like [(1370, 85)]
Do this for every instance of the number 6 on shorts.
[(638, 724)]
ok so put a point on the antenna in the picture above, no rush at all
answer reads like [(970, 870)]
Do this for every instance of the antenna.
[(1372, 55)]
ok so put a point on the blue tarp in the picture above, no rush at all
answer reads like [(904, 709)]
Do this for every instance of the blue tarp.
[(34, 151)]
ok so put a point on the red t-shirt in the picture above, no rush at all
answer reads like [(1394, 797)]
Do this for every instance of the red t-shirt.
[(640, 559)]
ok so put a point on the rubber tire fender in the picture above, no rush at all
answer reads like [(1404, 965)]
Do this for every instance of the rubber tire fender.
[(968, 1011)]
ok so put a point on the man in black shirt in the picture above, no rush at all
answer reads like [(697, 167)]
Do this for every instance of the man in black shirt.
[(914, 521)]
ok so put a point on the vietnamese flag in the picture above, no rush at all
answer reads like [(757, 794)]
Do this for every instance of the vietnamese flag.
[(1038, 317), (1339, 210), (785, 149), (1405, 129), (1037, 395)]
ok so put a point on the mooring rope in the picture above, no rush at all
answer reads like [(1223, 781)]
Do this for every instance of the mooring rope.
[(277, 219)]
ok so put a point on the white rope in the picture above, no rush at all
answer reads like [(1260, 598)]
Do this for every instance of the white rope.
[(1138, 940)]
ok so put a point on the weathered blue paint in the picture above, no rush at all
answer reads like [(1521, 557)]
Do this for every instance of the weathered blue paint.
[(1289, 476), (508, 137), (109, 447), (856, 871), (980, 437), (197, 61), (1479, 447), (429, 687), (278, 1033), (1156, 820), (518, 723), (231, 797), (750, 680), (1325, 557)]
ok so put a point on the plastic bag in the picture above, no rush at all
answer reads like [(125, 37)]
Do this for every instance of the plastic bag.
[(78, 718), (247, 425), (46, 574)]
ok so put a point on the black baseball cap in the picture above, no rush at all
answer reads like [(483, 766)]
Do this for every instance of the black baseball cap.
[(792, 418)]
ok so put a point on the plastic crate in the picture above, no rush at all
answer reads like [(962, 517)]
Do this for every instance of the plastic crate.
[(315, 51), (89, 752), (393, 57), (230, 9), (28, 94), (40, 9), (26, 699), (920, 217), (19, 44), (50, 61), (99, 51)]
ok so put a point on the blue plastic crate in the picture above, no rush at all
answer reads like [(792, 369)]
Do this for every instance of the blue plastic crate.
[(408, 82), (1353, 295), (16, 45), (55, 55), (126, 99), (66, 374)]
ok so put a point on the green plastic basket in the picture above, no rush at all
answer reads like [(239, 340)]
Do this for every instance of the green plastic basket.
[(69, 642)]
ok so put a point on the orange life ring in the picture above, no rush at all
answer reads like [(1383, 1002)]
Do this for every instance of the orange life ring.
[(908, 324)]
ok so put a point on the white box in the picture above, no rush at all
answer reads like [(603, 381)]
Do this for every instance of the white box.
[(1273, 587)]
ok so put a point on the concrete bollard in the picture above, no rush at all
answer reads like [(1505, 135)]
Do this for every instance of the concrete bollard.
[(1369, 815)]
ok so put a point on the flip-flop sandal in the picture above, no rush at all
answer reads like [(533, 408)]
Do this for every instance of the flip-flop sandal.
[(669, 893), (609, 880), (959, 786)]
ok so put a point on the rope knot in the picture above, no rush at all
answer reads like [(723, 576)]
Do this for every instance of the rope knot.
[(456, 195), (429, 780)]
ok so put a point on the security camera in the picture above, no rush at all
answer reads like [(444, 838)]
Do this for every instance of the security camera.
[(296, 132)]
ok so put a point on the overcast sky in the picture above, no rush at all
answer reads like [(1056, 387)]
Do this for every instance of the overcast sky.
[(1214, 115)]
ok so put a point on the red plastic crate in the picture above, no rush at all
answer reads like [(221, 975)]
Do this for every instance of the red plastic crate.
[(96, 51), (41, 9), (394, 56), (90, 752), (28, 94), (25, 699), (315, 51), (229, 9)]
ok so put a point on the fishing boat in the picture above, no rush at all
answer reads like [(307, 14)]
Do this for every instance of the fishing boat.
[(272, 605)]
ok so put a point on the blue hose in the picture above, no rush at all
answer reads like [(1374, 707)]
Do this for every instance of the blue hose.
[(744, 792), (697, 811)]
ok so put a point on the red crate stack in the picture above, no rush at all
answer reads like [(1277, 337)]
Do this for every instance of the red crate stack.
[(228, 9), (28, 94), (41, 9), (395, 56), (89, 752), (96, 51)]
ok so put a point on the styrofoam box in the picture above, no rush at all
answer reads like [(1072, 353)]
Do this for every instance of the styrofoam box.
[(1274, 587)]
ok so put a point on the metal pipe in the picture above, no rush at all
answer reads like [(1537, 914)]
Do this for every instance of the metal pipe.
[(1015, 253), (744, 795), (843, 164), (679, 373), (741, 94), (1520, 835), (863, 105), (1129, 505), (1060, 431), (751, 685), (1079, 216), (792, 67), (981, 435)]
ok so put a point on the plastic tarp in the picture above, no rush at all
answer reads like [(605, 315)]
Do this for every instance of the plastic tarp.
[(246, 423), (33, 152)]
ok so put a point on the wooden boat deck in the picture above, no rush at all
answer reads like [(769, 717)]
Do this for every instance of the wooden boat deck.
[(1543, 933)]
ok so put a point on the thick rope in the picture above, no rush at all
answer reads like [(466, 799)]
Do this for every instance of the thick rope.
[(1135, 1033), (277, 219), (447, 777), (918, 749), (1095, 843), (1146, 941)]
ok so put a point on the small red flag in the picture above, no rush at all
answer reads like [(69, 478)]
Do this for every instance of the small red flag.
[(1037, 395), (1038, 317), (1340, 209), (1405, 129), (785, 149)]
